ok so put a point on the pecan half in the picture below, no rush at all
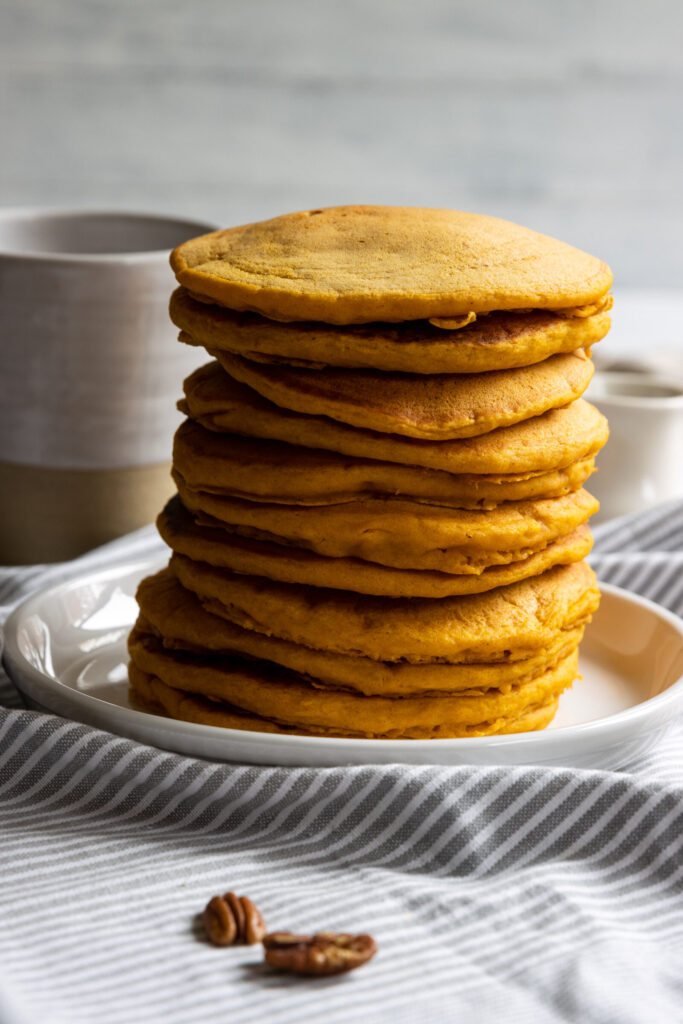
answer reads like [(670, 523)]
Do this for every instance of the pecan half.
[(230, 918), (323, 953)]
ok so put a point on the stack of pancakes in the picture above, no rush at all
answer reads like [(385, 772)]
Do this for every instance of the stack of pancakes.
[(380, 520)]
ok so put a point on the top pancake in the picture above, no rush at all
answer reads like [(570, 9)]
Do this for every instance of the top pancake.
[(494, 341), (359, 264)]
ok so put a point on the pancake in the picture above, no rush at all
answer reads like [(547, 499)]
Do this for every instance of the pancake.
[(401, 534), (495, 341), (554, 440), (177, 617), (150, 693), (357, 264), (274, 693), (239, 554), (507, 624), (281, 473), (434, 407)]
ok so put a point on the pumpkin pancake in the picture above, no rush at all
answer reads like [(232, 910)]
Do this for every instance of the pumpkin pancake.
[(401, 534), (356, 264), (551, 441), (151, 694), (435, 407), (270, 692), (493, 341), (282, 473), (178, 618), (226, 550), (506, 624)]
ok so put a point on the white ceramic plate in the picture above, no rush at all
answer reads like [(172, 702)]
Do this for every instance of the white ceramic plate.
[(66, 651)]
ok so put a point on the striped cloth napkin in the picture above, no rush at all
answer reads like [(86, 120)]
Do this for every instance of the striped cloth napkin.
[(495, 894)]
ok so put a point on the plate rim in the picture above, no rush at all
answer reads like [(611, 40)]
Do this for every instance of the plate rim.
[(563, 736)]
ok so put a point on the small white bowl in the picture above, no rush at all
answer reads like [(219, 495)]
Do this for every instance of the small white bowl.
[(642, 463)]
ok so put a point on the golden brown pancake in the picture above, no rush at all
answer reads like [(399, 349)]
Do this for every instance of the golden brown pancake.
[(509, 623), (239, 554), (493, 341), (151, 694), (281, 473), (401, 534), (270, 692), (177, 617), (434, 407), (554, 440), (356, 264)]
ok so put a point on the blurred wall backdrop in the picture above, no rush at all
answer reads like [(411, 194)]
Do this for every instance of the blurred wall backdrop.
[(563, 116)]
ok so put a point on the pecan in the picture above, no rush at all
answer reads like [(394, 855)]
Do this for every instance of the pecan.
[(231, 918), (323, 953)]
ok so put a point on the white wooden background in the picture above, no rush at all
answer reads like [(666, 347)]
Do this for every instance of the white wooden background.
[(565, 116)]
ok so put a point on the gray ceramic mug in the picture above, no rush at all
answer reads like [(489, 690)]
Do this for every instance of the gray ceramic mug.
[(90, 370)]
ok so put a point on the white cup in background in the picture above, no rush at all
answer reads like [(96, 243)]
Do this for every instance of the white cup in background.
[(90, 370), (642, 463)]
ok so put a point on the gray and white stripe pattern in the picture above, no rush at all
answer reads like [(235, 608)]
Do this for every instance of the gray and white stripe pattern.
[(644, 553), (516, 895)]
